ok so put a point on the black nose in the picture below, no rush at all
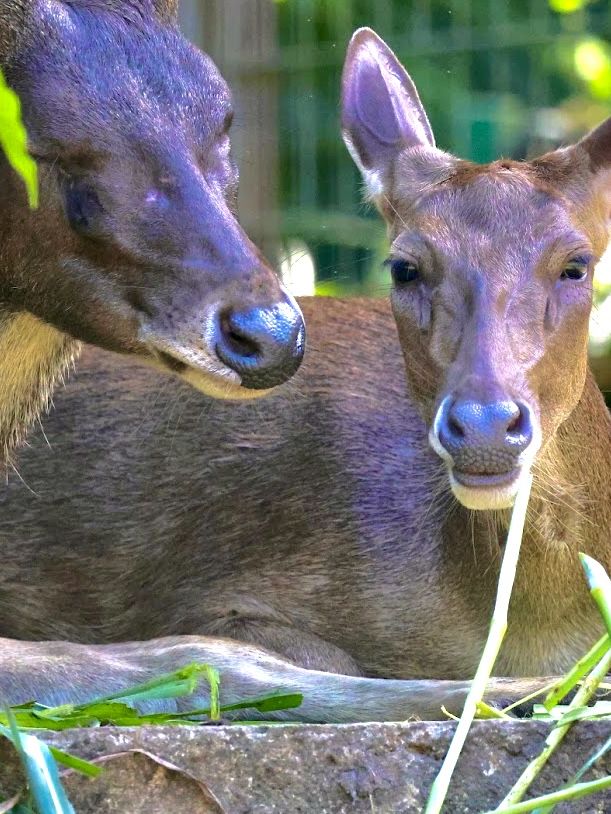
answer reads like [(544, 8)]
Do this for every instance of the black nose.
[(485, 438), (264, 346)]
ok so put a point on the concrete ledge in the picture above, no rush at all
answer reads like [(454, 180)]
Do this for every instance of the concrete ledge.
[(373, 768)]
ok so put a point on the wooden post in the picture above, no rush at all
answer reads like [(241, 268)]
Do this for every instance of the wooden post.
[(241, 37)]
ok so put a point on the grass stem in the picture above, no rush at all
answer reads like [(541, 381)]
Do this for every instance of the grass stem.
[(557, 735), (562, 796), (498, 626), (580, 669)]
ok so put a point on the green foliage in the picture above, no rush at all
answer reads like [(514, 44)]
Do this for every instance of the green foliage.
[(509, 77), (118, 709), (596, 664), (41, 770), (40, 761), (13, 140)]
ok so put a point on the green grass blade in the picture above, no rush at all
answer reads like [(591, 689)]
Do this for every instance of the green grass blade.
[(484, 712), (601, 710), (530, 696), (76, 763), (498, 627), (104, 711), (594, 758), (581, 669), (600, 587), (266, 703), (214, 680), (13, 140), (585, 693), (41, 772), (562, 796), (273, 702)]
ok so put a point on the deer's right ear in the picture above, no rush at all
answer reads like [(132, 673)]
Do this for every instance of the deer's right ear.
[(598, 146), (167, 9), (12, 26), (381, 111)]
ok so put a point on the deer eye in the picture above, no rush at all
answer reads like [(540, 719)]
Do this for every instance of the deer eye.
[(82, 205), (576, 270), (403, 271)]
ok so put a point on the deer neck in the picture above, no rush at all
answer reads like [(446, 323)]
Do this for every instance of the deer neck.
[(569, 512), (34, 357), (552, 619), (571, 502)]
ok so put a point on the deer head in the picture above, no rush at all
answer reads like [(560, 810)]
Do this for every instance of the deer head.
[(491, 275), (136, 246)]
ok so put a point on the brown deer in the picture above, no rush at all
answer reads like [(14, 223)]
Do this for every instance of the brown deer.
[(135, 247), (346, 533)]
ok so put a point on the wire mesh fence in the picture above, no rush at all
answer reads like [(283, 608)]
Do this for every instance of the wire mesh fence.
[(498, 77)]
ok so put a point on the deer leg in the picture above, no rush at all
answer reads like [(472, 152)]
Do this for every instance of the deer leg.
[(61, 672), (287, 642)]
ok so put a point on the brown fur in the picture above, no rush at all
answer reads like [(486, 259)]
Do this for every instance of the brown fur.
[(317, 534), (317, 525), (135, 246)]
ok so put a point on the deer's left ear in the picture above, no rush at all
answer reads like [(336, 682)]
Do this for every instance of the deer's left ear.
[(381, 111)]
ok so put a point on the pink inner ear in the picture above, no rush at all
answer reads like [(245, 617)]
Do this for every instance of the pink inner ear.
[(386, 101), (374, 104), (411, 117)]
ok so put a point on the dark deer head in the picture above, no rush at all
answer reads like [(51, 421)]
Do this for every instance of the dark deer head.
[(136, 246), (492, 275)]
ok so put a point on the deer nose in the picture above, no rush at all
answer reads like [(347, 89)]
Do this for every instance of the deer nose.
[(264, 346), (484, 438)]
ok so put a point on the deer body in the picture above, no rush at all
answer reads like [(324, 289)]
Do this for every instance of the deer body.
[(346, 530), (319, 525)]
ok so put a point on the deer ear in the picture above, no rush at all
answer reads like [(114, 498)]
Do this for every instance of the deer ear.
[(381, 111), (597, 144), (167, 9), (12, 25)]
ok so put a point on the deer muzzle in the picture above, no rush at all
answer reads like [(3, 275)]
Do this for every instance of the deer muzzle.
[(487, 446)]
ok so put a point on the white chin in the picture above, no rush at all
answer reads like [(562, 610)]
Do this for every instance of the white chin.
[(223, 385), (220, 387), (484, 497)]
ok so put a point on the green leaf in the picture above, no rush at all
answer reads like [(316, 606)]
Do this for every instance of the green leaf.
[(171, 685), (272, 702), (268, 703), (41, 771), (13, 140), (599, 710), (484, 711), (103, 712), (214, 680), (76, 763)]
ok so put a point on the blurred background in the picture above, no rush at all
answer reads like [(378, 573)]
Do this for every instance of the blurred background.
[(497, 77)]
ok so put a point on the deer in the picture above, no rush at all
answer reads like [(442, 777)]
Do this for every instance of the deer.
[(343, 539), (135, 246)]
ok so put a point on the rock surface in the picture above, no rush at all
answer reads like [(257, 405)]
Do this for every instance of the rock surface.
[(373, 768)]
